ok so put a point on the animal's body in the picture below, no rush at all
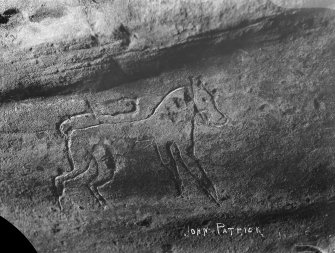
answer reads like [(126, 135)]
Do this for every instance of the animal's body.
[(170, 129)]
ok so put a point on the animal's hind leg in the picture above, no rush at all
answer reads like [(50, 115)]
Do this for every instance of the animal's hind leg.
[(94, 190), (106, 168), (78, 168), (79, 156), (79, 159), (93, 169)]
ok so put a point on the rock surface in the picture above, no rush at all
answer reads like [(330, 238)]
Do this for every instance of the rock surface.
[(126, 124)]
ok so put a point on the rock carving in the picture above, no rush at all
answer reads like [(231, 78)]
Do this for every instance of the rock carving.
[(92, 139)]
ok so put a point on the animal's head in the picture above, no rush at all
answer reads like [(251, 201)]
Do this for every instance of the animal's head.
[(205, 104)]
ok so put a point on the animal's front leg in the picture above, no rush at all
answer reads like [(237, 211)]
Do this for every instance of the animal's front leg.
[(200, 176), (170, 165), (174, 167), (158, 152)]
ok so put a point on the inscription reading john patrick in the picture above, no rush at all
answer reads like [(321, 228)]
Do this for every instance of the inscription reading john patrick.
[(221, 229)]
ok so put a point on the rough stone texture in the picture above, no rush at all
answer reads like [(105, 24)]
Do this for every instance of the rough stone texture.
[(46, 45), (124, 123)]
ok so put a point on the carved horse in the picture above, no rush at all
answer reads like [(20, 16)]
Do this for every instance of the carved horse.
[(92, 141)]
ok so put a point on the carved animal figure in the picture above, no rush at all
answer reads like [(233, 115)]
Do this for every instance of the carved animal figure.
[(93, 142)]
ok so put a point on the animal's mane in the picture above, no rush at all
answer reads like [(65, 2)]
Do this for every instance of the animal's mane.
[(164, 99)]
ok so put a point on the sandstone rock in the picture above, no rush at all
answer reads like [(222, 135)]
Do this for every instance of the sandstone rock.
[(53, 45), (126, 124)]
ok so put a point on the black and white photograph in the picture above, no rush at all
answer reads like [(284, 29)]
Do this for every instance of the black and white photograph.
[(167, 126)]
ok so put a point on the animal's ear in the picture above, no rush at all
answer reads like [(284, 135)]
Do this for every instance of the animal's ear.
[(195, 80), (191, 79), (198, 81), (188, 95)]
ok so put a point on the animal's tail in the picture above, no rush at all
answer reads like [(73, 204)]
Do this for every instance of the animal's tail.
[(77, 122), (309, 248), (64, 128)]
